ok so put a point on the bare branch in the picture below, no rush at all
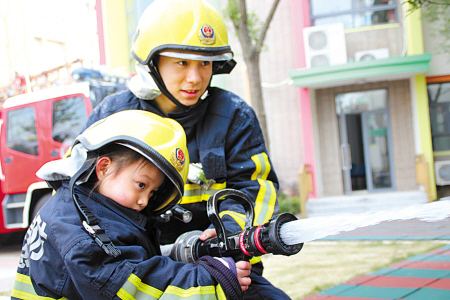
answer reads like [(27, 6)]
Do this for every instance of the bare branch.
[(243, 30), (265, 28), (243, 12)]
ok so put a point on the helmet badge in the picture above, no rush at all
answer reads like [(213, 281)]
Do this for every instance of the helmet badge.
[(178, 159), (207, 35)]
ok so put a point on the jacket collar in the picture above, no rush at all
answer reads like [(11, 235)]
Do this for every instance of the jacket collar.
[(136, 218)]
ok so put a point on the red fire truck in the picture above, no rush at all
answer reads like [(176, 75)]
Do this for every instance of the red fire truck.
[(35, 128)]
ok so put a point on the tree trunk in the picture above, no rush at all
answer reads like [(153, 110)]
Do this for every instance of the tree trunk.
[(256, 94)]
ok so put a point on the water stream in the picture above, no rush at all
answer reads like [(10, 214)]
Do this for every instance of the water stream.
[(305, 230)]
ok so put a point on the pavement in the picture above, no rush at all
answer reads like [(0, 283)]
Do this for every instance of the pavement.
[(425, 276), (9, 258)]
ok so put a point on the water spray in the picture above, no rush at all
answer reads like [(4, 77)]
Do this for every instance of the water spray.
[(252, 241), (284, 234), (310, 229)]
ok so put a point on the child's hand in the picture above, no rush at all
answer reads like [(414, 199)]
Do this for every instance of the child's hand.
[(243, 269)]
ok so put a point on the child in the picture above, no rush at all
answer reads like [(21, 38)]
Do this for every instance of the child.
[(95, 238)]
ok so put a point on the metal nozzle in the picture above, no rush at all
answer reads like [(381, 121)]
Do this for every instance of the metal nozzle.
[(182, 214)]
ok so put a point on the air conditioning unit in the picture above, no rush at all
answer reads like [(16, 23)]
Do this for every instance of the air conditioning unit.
[(325, 45), (372, 54), (442, 172)]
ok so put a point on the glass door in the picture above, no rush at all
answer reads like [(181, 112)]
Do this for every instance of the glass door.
[(365, 143), (376, 148)]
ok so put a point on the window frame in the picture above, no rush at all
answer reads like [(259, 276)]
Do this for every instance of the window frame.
[(57, 124), (353, 12), (431, 81), (11, 126)]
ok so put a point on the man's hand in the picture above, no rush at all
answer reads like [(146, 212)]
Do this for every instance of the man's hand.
[(207, 234)]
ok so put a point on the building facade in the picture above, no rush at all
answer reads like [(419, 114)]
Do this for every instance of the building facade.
[(365, 101), (345, 93)]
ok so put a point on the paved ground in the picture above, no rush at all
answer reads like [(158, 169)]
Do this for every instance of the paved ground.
[(425, 276), (9, 258)]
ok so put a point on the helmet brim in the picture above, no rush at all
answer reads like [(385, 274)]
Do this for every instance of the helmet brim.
[(174, 194), (198, 56)]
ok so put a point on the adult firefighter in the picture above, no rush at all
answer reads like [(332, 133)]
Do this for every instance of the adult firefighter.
[(179, 45), (94, 239)]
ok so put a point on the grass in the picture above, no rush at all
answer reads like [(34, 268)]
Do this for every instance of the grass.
[(323, 264)]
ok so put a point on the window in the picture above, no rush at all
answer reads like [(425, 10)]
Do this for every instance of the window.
[(353, 13), (21, 131), (439, 99), (69, 117)]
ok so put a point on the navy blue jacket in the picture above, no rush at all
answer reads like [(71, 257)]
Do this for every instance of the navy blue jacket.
[(60, 259), (223, 135)]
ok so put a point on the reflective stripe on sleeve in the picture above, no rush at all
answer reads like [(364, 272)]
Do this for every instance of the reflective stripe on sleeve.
[(193, 293), (262, 166), (194, 193), (23, 289), (237, 217), (265, 202), (266, 198), (135, 289), (220, 293)]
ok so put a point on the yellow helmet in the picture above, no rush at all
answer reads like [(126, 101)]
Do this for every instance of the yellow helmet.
[(160, 140), (189, 29)]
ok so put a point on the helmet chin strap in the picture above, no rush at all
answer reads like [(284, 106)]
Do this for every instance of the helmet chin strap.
[(153, 71), (162, 87), (88, 220)]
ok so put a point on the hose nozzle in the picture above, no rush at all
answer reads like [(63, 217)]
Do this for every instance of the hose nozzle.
[(266, 238)]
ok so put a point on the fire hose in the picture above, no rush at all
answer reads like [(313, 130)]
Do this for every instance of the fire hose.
[(251, 241)]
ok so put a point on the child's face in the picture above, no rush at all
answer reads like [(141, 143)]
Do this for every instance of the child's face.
[(132, 185), (187, 80)]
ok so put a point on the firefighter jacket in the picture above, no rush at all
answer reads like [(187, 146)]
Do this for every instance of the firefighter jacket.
[(61, 260), (225, 139)]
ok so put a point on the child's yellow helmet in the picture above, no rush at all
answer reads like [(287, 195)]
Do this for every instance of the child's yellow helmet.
[(160, 140), (171, 27)]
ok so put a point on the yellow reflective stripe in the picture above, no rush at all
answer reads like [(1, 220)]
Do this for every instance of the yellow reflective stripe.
[(194, 193), (199, 292), (265, 202), (23, 289), (266, 198), (255, 260), (262, 166), (23, 278), (220, 293), (239, 218), (134, 288)]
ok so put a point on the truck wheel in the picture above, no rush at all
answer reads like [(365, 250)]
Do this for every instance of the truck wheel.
[(39, 203)]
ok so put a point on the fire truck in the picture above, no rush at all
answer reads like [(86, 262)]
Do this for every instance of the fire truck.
[(35, 128)]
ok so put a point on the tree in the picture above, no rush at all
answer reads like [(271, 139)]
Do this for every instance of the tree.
[(438, 13), (251, 33)]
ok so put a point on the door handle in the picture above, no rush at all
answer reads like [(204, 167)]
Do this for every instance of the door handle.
[(8, 160)]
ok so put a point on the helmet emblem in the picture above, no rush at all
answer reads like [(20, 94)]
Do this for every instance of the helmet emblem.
[(207, 35), (178, 159)]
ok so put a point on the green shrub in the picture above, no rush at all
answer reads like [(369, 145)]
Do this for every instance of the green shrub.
[(289, 204)]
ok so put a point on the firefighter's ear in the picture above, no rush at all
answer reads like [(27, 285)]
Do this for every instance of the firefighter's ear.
[(102, 166)]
